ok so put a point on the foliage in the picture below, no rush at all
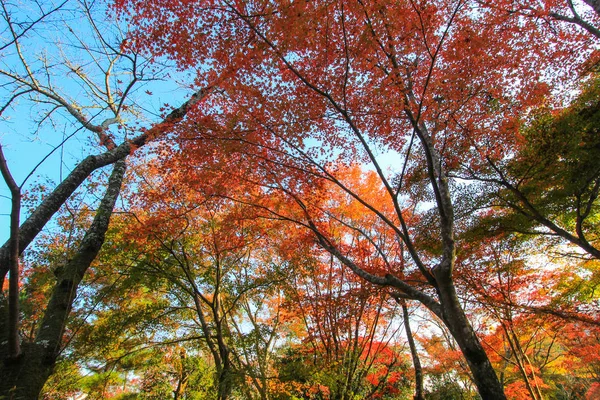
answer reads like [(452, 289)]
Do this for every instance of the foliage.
[(551, 184), (335, 159)]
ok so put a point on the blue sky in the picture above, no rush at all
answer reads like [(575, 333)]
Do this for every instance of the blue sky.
[(66, 56)]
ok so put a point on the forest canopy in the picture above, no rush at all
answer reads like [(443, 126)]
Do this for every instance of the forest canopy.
[(384, 199)]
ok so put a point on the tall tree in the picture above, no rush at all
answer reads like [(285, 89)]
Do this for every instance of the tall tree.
[(25, 374), (218, 264), (98, 66), (436, 85), (96, 102)]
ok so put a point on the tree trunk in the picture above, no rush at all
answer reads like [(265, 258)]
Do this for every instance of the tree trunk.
[(414, 354), (183, 378), (226, 372), (453, 315), (225, 379), (52, 203), (24, 378), (484, 376), (14, 345), (448, 310)]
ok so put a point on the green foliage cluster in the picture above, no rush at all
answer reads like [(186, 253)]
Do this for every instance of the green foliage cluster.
[(555, 175)]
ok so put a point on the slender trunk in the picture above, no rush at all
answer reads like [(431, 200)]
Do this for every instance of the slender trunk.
[(414, 355), (226, 374), (214, 341), (14, 340), (24, 378), (182, 381), (521, 359)]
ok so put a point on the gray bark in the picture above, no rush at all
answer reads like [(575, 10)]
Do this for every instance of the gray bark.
[(14, 346), (453, 315), (24, 377), (484, 376)]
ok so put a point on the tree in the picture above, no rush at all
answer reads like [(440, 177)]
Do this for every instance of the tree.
[(551, 185), (525, 300), (26, 373), (348, 339), (125, 335), (585, 16), (97, 101), (212, 271), (436, 85)]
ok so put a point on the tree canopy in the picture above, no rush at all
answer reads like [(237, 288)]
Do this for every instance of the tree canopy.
[(356, 199)]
